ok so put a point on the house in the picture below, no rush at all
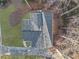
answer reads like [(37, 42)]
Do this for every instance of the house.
[(38, 30)]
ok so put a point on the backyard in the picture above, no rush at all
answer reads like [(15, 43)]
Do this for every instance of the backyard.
[(11, 36)]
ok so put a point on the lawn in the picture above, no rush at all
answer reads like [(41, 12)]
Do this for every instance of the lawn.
[(11, 36), (27, 16), (22, 57)]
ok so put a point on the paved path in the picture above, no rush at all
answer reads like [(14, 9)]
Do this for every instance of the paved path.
[(0, 40), (0, 36)]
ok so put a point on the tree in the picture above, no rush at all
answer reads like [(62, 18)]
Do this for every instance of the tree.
[(3, 2)]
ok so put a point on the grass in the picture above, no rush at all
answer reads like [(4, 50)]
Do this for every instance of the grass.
[(22, 57), (27, 16), (11, 36)]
